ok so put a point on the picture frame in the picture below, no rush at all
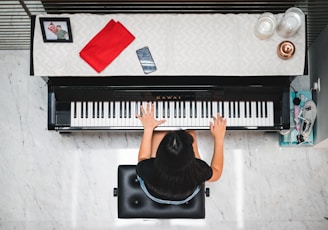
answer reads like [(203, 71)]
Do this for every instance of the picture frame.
[(56, 29)]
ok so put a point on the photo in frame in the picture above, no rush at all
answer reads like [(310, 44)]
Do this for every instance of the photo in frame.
[(56, 29)]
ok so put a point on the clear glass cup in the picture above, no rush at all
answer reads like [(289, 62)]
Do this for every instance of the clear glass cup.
[(265, 25), (290, 23)]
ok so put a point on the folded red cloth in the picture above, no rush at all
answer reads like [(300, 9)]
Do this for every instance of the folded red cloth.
[(103, 48)]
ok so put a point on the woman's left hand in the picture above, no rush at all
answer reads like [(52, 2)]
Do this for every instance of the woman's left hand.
[(147, 117)]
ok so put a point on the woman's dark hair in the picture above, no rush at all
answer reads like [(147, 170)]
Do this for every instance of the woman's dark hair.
[(177, 172)]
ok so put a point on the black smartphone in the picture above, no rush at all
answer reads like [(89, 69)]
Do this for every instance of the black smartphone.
[(146, 60)]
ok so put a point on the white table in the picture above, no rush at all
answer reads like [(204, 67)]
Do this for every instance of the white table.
[(181, 44)]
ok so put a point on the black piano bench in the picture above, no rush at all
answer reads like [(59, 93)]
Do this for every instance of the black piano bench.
[(133, 202)]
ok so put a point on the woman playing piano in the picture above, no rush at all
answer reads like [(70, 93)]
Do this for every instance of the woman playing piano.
[(169, 168)]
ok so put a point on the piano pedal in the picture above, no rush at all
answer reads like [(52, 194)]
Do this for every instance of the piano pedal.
[(66, 133), (285, 132), (270, 132)]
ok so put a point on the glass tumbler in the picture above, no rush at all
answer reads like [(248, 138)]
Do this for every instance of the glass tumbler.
[(290, 23), (265, 26)]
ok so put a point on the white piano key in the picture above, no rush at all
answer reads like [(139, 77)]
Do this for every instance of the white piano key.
[(193, 111), (78, 113), (117, 120), (182, 120), (232, 114), (270, 113), (100, 114), (122, 113), (226, 112), (96, 119), (253, 113), (171, 113), (198, 114), (177, 111), (132, 119), (187, 118), (247, 114), (110, 113), (242, 119), (89, 112), (83, 113), (209, 113), (265, 114), (262, 118), (221, 108), (214, 109), (73, 114), (106, 110), (128, 113)]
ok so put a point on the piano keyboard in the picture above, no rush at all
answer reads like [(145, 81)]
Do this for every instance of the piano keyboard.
[(178, 114)]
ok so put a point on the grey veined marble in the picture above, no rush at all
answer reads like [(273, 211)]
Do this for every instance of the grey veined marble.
[(53, 181)]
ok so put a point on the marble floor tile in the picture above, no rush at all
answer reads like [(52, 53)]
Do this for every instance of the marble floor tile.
[(54, 181)]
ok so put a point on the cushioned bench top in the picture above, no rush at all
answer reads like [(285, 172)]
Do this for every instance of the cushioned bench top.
[(133, 203)]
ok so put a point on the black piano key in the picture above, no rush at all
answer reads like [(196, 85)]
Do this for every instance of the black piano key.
[(120, 109), (86, 110), (211, 110), (260, 109), (180, 109), (109, 109), (125, 114), (93, 110), (257, 109), (164, 110), (130, 112), (114, 109), (245, 111), (238, 109), (81, 114), (124, 109), (175, 109), (202, 110), (265, 109), (229, 107), (98, 109), (102, 109), (250, 109), (156, 109), (206, 109), (75, 112)]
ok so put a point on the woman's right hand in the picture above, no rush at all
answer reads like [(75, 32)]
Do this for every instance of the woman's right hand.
[(147, 117), (218, 127)]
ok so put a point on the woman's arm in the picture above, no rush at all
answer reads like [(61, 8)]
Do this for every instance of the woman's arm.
[(149, 123), (218, 129)]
